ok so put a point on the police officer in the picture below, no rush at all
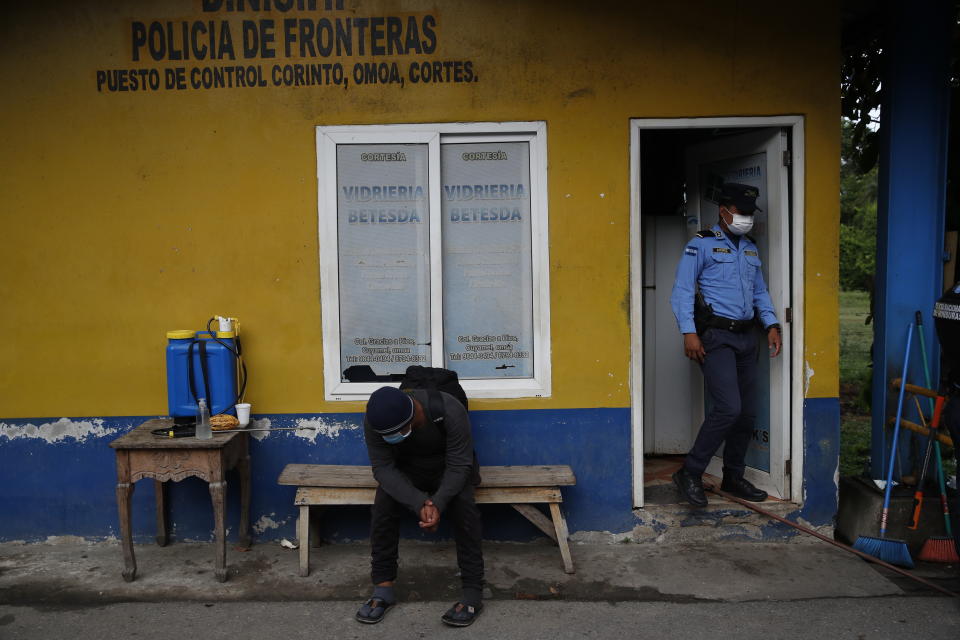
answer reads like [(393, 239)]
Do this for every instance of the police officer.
[(718, 298)]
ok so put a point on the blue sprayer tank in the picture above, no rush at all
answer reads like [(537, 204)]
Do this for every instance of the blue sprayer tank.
[(183, 346)]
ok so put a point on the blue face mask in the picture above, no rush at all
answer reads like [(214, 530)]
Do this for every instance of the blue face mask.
[(398, 437)]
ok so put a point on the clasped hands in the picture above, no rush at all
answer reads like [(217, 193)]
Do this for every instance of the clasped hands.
[(429, 516)]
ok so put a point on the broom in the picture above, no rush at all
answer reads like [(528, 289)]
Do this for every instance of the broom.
[(940, 548), (918, 493), (936, 548), (892, 551)]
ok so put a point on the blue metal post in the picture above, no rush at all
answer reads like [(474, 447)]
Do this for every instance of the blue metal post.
[(912, 185)]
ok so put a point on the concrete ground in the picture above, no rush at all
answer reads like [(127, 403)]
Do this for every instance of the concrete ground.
[(873, 618), (747, 589)]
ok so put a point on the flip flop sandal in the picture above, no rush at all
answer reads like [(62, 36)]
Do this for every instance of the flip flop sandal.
[(461, 615), (373, 611)]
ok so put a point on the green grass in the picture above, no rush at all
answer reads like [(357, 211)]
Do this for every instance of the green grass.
[(855, 336), (855, 340), (854, 444)]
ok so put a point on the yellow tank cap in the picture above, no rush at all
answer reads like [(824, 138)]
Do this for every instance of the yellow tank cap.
[(181, 334), (226, 334)]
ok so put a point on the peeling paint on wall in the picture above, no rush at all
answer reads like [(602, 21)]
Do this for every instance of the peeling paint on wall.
[(306, 428), (59, 431), (807, 376), (262, 423), (676, 523), (267, 522), (309, 429)]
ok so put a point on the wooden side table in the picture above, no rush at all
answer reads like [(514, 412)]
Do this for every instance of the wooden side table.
[(140, 454)]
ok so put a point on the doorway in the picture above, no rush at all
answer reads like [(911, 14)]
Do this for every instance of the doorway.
[(676, 169)]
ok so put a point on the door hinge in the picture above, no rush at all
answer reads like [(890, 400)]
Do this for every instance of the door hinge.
[(787, 467), (787, 158), (788, 314)]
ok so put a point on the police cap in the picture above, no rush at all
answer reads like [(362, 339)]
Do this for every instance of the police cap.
[(742, 196)]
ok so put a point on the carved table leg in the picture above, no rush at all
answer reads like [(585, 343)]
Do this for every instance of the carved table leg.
[(124, 493), (160, 488), (243, 468), (218, 494)]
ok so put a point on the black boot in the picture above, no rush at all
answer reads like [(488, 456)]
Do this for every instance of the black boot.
[(742, 488), (691, 487)]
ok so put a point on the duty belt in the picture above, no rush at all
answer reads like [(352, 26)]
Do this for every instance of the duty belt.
[(729, 324)]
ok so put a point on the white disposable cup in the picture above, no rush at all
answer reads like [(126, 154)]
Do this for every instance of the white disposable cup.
[(243, 413)]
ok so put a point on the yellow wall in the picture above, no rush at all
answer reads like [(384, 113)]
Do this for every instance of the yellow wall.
[(127, 214)]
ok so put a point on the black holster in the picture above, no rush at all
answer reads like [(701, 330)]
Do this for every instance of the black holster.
[(702, 312)]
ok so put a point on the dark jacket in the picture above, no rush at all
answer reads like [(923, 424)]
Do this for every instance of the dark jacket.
[(434, 462)]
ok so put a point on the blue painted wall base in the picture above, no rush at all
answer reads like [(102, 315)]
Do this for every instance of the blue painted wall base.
[(57, 486), (821, 461)]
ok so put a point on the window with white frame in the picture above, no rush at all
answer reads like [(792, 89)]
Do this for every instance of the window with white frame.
[(433, 251)]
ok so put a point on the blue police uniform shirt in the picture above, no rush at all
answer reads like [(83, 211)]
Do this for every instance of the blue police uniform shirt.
[(730, 280)]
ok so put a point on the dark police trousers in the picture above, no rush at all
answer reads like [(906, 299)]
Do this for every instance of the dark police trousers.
[(463, 515), (730, 372)]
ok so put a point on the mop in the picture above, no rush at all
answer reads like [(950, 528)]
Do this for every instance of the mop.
[(892, 551), (918, 494), (936, 548)]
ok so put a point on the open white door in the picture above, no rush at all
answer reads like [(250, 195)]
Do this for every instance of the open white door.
[(667, 394), (759, 159)]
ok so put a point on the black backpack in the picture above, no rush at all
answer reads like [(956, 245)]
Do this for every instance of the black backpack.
[(418, 377), (434, 379)]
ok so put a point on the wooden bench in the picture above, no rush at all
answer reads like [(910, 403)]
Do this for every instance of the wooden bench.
[(521, 487)]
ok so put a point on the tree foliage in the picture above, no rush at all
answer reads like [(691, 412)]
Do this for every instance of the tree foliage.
[(858, 215), (860, 94), (864, 46)]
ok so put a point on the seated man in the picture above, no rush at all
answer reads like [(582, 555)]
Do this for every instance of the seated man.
[(427, 467)]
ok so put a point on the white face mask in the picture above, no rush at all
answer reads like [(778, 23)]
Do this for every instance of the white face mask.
[(741, 224)]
